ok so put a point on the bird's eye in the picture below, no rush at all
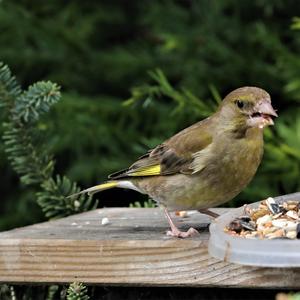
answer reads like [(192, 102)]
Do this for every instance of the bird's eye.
[(239, 103)]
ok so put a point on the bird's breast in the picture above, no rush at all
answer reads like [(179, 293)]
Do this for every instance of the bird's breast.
[(230, 169)]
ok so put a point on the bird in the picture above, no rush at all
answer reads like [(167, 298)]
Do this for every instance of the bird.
[(206, 164)]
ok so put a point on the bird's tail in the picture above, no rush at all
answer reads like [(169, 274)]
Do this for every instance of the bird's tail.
[(97, 188)]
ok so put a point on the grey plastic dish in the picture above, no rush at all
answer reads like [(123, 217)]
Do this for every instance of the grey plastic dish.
[(254, 252)]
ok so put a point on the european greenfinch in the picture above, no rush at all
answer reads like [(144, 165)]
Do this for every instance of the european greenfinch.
[(206, 164)]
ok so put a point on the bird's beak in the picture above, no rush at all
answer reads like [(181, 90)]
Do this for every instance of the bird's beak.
[(266, 108), (262, 114)]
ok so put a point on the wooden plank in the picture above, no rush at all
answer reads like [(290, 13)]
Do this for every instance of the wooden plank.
[(131, 250)]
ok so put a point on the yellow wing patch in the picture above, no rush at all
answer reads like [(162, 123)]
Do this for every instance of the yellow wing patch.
[(146, 171)]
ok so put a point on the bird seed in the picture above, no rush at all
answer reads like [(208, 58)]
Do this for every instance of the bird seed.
[(270, 220)]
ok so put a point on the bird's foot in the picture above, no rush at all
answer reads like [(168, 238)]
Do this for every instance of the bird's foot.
[(175, 232)]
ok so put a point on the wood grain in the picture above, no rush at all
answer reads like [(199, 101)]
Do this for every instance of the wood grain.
[(131, 250)]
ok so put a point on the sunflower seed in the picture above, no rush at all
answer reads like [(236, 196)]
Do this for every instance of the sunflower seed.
[(248, 226), (245, 218), (235, 225), (273, 207)]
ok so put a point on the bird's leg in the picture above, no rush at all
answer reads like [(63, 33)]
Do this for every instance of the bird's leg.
[(175, 232), (209, 213)]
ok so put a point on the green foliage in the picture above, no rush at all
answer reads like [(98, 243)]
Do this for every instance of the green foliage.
[(35, 101), (109, 46), (5, 292), (146, 204), (54, 202), (186, 101), (27, 292), (296, 23), (77, 291), (28, 156), (284, 146), (291, 65), (33, 164), (8, 86), (52, 292)]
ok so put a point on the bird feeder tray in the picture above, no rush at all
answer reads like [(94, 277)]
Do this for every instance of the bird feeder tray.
[(279, 252)]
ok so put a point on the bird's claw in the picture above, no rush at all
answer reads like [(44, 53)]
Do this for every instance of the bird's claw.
[(183, 234)]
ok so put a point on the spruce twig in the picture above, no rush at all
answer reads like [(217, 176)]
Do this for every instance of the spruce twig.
[(25, 151), (77, 291)]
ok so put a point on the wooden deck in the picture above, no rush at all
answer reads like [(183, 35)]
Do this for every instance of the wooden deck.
[(131, 250)]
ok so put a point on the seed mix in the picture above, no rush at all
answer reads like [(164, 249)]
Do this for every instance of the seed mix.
[(270, 220)]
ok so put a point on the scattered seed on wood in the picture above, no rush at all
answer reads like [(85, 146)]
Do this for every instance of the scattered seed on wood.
[(181, 213), (104, 221)]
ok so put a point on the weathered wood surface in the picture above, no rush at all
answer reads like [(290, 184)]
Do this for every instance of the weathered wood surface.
[(131, 250)]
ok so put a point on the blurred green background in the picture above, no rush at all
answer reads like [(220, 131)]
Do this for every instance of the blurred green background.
[(101, 53)]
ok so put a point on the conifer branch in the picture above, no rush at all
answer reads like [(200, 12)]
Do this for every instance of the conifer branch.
[(27, 154), (77, 291), (9, 88)]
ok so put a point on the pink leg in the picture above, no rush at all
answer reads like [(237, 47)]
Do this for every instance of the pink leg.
[(175, 232)]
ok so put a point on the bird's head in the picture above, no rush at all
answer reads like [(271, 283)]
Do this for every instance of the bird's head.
[(247, 107)]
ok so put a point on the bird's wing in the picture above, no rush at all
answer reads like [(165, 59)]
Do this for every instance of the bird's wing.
[(180, 154)]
